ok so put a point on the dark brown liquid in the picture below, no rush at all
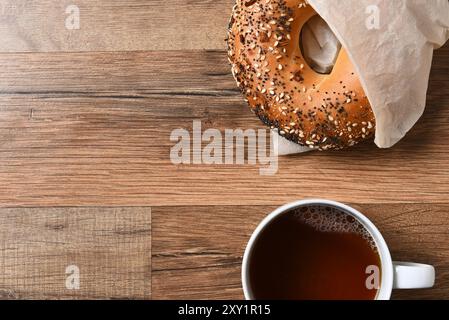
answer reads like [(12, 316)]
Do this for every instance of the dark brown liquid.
[(313, 253)]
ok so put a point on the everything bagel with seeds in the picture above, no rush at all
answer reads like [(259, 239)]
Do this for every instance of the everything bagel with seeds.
[(321, 111)]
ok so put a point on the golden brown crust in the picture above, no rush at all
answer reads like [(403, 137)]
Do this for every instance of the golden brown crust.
[(320, 111)]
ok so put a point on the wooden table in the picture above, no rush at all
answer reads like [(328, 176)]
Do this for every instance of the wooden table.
[(85, 174)]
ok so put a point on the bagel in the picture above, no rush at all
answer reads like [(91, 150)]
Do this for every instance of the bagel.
[(321, 111)]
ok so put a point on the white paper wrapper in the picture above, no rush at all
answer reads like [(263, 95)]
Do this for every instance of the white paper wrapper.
[(284, 147), (320, 45), (391, 44)]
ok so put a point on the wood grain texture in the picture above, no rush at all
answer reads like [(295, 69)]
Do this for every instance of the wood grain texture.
[(110, 246), (197, 251), (85, 121), (119, 25), (94, 129)]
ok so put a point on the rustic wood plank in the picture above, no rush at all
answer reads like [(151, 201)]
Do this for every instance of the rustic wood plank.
[(94, 129), (110, 246), (119, 25), (117, 74), (197, 251)]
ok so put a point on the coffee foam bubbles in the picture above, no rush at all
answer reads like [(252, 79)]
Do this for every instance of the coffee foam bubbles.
[(330, 219)]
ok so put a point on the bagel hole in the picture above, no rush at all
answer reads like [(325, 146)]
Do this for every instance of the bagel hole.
[(319, 45)]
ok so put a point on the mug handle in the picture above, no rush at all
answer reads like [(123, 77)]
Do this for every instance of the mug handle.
[(408, 275)]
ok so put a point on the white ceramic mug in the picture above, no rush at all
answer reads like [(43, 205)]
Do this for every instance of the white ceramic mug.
[(395, 275)]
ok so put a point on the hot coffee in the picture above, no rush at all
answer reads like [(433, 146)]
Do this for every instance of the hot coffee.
[(314, 252)]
